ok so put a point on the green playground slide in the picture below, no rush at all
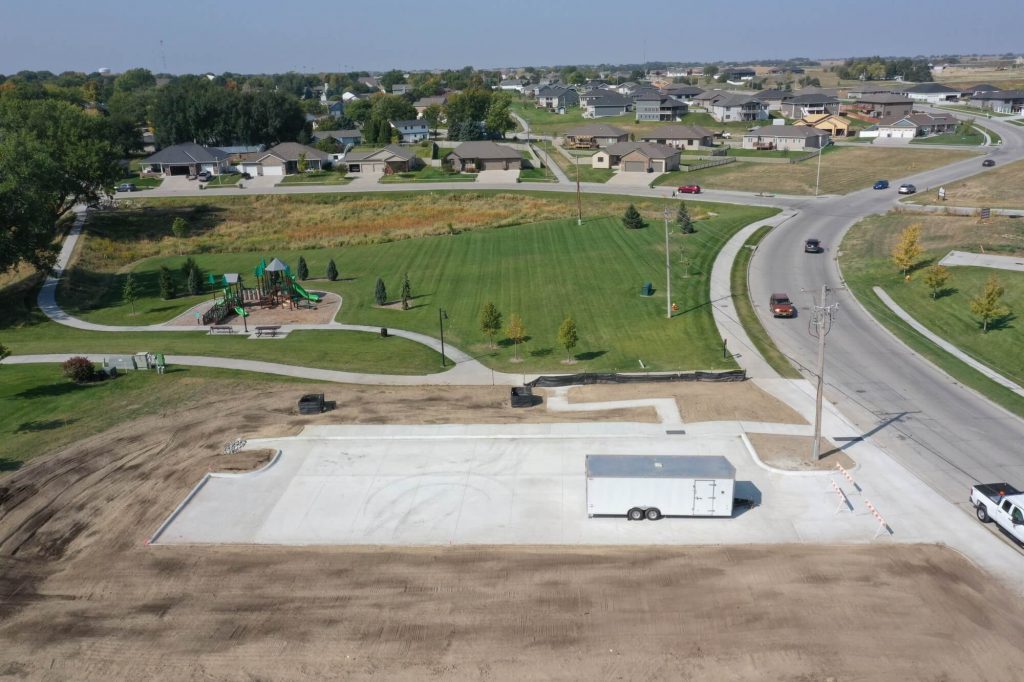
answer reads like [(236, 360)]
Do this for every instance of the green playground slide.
[(242, 312), (303, 293)]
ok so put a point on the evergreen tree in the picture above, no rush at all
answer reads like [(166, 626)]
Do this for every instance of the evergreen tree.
[(490, 322), (683, 219), (168, 285), (406, 292), (632, 219), (303, 269), (332, 270), (381, 294), (568, 336), (194, 282), (130, 292)]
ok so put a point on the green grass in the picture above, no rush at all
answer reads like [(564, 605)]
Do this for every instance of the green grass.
[(141, 183), (745, 310), (1017, 122), (316, 178), (224, 179), (974, 138), (543, 271), (537, 175), (993, 136), (587, 172), (40, 411), (765, 154), (963, 108), (547, 123), (865, 264), (427, 174)]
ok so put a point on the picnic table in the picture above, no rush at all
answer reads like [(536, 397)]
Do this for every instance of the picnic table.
[(268, 330), (221, 329)]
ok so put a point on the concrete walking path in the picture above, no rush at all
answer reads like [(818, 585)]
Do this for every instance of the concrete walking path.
[(946, 345), (983, 260)]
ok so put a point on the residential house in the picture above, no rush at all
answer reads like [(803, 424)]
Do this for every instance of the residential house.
[(834, 125), (683, 93), (737, 108), (933, 93), (814, 90), (883, 105), (400, 88), (593, 136), (681, 137), (512, 84), (969, 93), (371, 82), (637, 157), (605, 103), (386, 160), (283, 159), (870, 89), (916, 125), (706, 98), (484, 155), (411, 131), (786, 138), (336, 108), (626, 88), (557, 98), (187, 158), (1000, 101), (772, 99), (737, 76), (799, 106), (421, 104), (659, 108), (341, 137)]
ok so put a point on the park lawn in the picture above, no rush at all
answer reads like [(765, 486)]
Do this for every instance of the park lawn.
[(41, 411), (843, 170), (316, 178), (427, 174), (999, 187), (543, 271), (864, 258), (548, 123), (974, 138)]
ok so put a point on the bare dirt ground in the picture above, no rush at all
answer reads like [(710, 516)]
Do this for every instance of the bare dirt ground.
[(81, 596), (791, 452), (699, 401)]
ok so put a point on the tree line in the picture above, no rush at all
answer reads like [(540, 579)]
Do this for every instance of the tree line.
[(879, 68)]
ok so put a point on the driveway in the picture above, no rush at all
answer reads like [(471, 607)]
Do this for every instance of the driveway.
[(497, 177), (624, 179), (262, 181)]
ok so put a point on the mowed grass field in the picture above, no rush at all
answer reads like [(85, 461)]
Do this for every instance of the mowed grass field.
[(866, 263), (547, 123), (544, 271), (998, 187), (843, 170)]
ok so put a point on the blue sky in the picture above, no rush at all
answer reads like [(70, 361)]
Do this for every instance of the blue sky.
[(263, 36)]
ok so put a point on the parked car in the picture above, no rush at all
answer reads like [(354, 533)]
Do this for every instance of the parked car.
[(813, 246), (988, 163), (127, 187), (689, 189), (781, 306), (906, 188), (205, 176), (1002, 503), (882, 184)]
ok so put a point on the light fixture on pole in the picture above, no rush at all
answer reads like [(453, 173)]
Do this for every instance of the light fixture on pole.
[(579, 199), (442, 315), (819, 326), (668, 273)]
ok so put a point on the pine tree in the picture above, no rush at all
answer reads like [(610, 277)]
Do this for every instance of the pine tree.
[(332, 270), (632, 219), (406, 292), (303, 269), (908, 248), (936, 277), (988, 306), (168, 285), (516, 332), (490, 322), (381, 294), (130, 292), (568, 336), (683, 219), (195, 283)]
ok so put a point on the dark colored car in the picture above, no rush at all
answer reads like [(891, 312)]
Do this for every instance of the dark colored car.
[(689, 189), (813, 246), (882, 184), (781, 306), (988, 163), (907, 188), (127, 187)]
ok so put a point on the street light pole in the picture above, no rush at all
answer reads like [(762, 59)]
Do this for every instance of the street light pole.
[(817, 181), (821, 322), (668, 273), (442, 315), (579, 199)]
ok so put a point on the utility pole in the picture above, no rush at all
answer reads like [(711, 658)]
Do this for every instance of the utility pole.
[(668, 273), (579, 198), (817, 181), (442, 315), (820, 326)]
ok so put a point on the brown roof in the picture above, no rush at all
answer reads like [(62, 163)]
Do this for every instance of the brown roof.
[(648, 149), (485, 149), (673, 132), (289, 151)]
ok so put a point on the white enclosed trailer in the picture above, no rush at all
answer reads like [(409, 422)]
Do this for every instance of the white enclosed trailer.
[(652, 486)]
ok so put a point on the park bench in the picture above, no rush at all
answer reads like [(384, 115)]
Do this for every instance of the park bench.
[(221, 329), (268, 330)]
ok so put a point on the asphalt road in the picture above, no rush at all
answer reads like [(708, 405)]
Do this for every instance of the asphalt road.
[(947, 434)]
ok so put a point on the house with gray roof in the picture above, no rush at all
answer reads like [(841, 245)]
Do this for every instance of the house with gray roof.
[(657, 107), (600, 103), (683, 93), (557, 98), (799, 106), (484, 155), (681, 136), (916, 125), (786, 138), (933, 93), (341, 137), (411, 131), (594, 136), (883, 105), (386, 160), (1001, 101), (772, 98), (737, 108), (283, 159), (637, 157), (187, 158)]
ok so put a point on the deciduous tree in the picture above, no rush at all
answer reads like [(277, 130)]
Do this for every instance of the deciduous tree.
[(988, 306), (935, 278), (568, 336), (130, 291), (908, 248), (490, 322), (515, 332)]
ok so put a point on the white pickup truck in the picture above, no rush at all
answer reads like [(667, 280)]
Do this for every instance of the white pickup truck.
[(1002, 503)]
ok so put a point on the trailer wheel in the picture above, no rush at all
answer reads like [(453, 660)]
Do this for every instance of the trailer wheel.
[(982, 513), (635, 514), (653, 514)]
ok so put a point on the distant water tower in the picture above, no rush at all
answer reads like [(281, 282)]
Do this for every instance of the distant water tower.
[(104, 71)]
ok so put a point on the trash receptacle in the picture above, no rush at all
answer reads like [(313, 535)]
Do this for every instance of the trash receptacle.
[(647, 289), (383, 331)]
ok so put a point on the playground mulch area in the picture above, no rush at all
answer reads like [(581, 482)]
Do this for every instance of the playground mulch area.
[(81, 596), (324, 312)]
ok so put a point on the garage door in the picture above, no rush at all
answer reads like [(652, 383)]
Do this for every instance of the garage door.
[(634, 167), (273, 170), (659, 166)]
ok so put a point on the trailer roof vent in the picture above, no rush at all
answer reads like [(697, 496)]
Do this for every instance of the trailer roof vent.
[(657, 465)]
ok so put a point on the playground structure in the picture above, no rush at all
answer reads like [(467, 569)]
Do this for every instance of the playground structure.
[(275, 286)]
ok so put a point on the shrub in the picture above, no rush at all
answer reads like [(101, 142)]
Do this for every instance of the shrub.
[(332, 270), (79, 370), (303, 269)]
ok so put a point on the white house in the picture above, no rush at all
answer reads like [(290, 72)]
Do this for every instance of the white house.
[(786, 138), (512, 84), (933, 93), (411, 131)]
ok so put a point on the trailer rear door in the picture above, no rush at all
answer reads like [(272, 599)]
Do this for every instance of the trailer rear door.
[(703, 497)]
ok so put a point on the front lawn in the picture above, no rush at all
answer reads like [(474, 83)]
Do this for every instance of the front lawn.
[(587, 172), (316, 178), (428, 174), (974, 138)]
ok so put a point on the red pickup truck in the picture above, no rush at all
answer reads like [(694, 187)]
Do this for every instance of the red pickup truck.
[(781, 306)]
